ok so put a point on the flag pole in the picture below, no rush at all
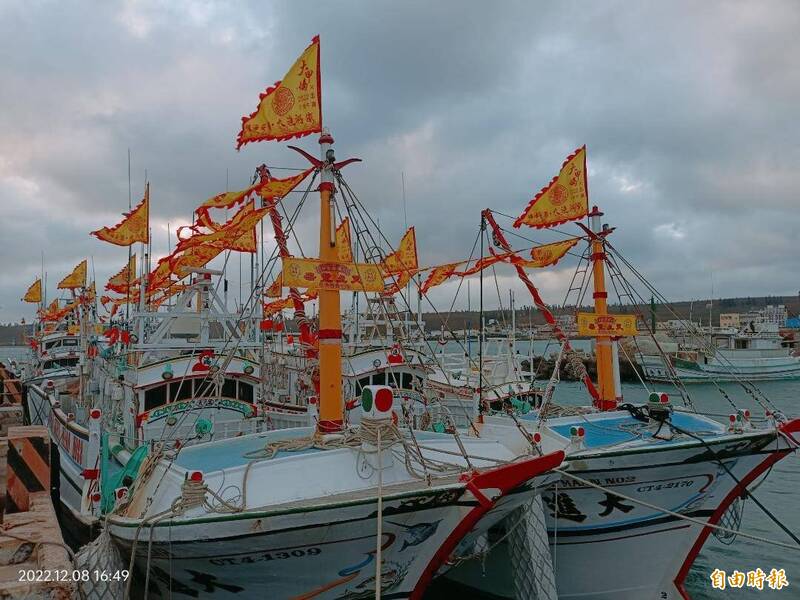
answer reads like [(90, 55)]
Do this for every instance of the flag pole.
[(330, 318)]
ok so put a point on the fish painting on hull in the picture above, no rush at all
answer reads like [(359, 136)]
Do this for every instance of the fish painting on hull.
[(416, 534)]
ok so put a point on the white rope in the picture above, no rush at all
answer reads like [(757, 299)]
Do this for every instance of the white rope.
[(378, 541)]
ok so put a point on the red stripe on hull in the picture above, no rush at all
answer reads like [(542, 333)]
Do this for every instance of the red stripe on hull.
[(788, 428), (505, 478)]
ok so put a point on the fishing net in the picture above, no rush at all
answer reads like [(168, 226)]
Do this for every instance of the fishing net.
[(529, 550), (101, 556), (731, 519)]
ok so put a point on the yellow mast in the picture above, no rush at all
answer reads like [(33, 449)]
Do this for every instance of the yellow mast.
[(330, 319), (604, 351)]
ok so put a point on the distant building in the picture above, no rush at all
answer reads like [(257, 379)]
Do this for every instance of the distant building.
[(566, 322), (775, 314), (727, 320), (679, 324)]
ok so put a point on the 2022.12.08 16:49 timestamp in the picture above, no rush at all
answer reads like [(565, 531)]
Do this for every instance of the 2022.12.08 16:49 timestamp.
[(86, 575)]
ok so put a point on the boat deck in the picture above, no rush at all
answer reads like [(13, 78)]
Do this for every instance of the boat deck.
[(608, 429)]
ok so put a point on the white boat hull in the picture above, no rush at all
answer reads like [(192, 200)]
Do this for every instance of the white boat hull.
[(757, 369), (607, 548)]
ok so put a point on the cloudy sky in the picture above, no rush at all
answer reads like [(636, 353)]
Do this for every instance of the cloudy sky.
[(688, 110)]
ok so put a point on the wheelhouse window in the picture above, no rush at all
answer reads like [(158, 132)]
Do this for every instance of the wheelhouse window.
[(229, 388), (204, 388), (245, 392), (180, 392), (60, 362), (407, 381), (155, 396)]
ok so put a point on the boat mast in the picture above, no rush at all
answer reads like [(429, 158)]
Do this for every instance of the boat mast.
[(330, 318), (604, 350)]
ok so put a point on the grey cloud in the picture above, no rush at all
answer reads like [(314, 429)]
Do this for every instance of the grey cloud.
[(687, 111)]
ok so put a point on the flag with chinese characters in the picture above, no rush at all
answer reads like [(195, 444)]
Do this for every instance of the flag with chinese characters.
[(290, 108), (565, 198), (34, 293), (439, 275), (344, 249), (76, 279), (133, 228), (591, 324), (405, 257), (317, 274), (546, 255), (124, 279)]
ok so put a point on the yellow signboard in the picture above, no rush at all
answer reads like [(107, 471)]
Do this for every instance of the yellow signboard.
[(606, 325), (320, 275)]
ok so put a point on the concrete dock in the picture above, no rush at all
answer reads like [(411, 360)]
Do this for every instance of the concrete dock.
[(34, 560)]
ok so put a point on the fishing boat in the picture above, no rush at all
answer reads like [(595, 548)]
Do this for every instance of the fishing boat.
[(755, 352)]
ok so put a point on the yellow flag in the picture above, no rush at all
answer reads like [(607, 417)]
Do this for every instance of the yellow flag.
[(135, 227), (229, 236), (270, 308), (127, 276), (34, 293), (290, 108), (276, 289), (566, 197), (405, 257), (76, 279), (344, 248), (49, 313), (320, 275), (439, 275), (590, 324), (224, 200), (546, 255), (193, 258), (272, 189), (398, 282)]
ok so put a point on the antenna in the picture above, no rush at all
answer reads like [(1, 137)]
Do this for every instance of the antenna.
[(141, 267), (405, 214)]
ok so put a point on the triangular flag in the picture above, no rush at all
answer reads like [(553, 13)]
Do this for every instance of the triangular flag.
[(565, 198), (290, 108), (34, 293), (134, 227), (76, 279)]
